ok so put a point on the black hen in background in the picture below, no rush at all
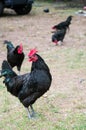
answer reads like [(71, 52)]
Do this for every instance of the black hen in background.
[(58, 36), (64, 24), (46, 10), (15, 55), (31, 86)]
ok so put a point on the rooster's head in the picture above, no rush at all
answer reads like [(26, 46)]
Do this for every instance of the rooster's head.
[(53, 27), (32, 55), (20, 49)]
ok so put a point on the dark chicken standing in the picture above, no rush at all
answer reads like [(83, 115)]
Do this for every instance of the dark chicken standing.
[(59, 36), (64, 24), (15, 55), (31, 86)]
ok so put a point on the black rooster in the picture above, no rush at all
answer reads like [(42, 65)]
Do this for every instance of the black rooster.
[(64, 24), (15, 55), (28, 87), (58, 36)]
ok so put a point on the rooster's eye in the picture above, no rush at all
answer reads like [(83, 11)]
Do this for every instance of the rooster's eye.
[(29, 56)]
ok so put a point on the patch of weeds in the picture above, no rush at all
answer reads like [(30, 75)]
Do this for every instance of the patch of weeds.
[(80, 106), (62, 95), (6, 103), (53, 108), (76, 59), (73, 122)]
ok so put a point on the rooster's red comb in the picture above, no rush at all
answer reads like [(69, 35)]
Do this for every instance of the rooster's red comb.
[(20, 49), (32, 52)]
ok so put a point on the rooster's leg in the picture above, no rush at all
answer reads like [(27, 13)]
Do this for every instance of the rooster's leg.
[(0, 74), (18, 72), (60, 43), (29, 115), (31, 112)]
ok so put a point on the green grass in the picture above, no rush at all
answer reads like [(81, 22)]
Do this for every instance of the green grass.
[(74, 59), (51, 121), (73, 122)]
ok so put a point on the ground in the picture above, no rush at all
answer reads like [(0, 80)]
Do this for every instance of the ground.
[(63, 107)]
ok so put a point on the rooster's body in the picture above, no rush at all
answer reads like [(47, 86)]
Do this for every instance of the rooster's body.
[(28, 87), (64, 24), (58, 36)]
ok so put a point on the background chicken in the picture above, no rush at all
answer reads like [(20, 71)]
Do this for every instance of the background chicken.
[(28, 87), (15, 55), (64, 24), (58, 36)]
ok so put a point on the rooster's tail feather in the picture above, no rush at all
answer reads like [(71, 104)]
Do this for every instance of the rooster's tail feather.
[(5, 65), (9, 44), (7, 70)]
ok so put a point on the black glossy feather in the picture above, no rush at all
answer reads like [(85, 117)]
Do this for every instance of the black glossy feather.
[(28, 87), (59, 35), (13, 57), (64, 24)]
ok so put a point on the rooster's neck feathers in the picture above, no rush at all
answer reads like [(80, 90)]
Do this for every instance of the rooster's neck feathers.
[(16, 50), (39, 64)]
